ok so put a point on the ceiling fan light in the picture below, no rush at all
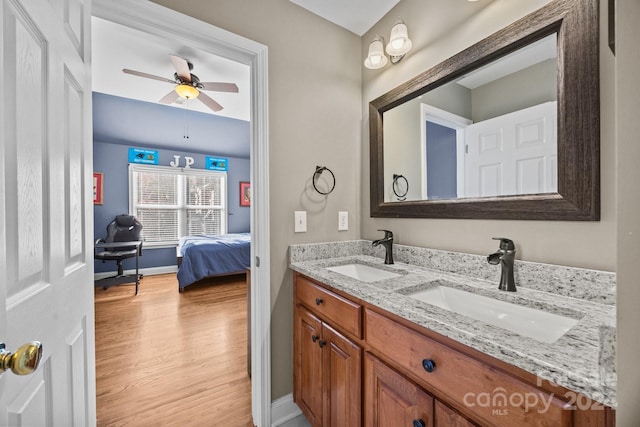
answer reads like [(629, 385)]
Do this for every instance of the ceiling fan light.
[(399, 42), (187, 91), (376, 57)]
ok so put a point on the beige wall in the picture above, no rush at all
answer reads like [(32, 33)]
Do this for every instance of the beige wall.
[(439, 29), (532, 86), (314, 119), (402, 125), (628, 179)]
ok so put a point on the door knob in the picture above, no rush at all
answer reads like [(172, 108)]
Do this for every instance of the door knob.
[(24, 361)]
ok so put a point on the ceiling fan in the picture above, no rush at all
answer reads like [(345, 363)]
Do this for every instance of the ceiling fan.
[(188, 85)]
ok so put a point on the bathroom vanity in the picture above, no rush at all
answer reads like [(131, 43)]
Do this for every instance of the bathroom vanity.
[(369, 350)]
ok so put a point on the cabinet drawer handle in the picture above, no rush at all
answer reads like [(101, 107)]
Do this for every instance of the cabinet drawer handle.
[(314, 338), (322, 343), (319, 301), (419, 423), (429, 366)]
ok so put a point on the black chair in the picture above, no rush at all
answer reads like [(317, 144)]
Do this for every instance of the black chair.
[(124, 240)]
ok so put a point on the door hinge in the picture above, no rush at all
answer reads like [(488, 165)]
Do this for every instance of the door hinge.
[(257, 261)]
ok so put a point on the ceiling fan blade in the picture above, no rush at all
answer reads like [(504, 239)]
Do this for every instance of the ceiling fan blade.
[(220, 86), (209, 102), (147, 75), (182, 67), (169, 98)]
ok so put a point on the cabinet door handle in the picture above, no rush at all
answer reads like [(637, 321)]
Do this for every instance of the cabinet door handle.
[(429, 365), (319, 301), (314, 338), (419, 423), (322, 343)]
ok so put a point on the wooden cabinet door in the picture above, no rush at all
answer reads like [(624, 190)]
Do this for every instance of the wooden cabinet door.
[(342, 379), (447, 417), (308, 365), (393, 400)]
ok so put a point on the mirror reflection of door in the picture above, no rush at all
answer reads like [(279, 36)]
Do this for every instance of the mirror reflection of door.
[(515, 153)]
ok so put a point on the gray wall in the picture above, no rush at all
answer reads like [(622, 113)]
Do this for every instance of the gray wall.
[(532, 86), (402, 149), (627, 91)]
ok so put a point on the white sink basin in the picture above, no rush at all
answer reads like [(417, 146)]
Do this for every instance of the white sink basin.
[(364, 273), (537, 324)]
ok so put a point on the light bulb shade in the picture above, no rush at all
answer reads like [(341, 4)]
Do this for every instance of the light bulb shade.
[(187, 91), (376, 57), (399, 42)]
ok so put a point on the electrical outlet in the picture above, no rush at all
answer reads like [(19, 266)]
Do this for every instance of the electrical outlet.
[(343, 221), (300, 221)]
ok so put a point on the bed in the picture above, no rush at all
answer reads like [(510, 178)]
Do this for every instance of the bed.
[(204, 255)]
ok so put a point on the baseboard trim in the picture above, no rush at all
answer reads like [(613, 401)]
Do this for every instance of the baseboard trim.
[(151, 271), (284, 409)]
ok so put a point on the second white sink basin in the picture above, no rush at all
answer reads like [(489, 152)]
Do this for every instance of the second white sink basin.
[(533, 323), (364, 273)]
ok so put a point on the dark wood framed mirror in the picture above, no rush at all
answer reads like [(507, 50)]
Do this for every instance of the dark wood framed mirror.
[(576, 194)]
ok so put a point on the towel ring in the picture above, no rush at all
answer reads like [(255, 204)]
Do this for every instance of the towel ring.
[(402, 196), (317, 173)]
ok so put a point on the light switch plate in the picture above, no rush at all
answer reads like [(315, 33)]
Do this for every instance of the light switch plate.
[(300, 224), (343, 221)]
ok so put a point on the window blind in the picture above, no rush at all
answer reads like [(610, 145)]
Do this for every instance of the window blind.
[(172, 203)]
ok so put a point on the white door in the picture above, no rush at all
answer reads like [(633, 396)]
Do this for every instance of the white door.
[(46, 225), (513, 154)]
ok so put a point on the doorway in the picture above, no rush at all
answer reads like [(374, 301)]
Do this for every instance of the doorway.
[(442, 153), (162, 22)]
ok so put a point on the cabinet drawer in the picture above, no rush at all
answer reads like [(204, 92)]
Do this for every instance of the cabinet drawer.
[(476, 388), (341, 312)]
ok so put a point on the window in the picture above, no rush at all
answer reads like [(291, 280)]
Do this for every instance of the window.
[(171, 202)]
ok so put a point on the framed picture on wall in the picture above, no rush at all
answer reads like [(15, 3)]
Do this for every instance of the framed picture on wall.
[(245, 193), (98, 188)]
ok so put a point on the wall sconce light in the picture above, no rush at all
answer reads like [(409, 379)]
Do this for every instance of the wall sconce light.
[(399, 44), (376, 57)]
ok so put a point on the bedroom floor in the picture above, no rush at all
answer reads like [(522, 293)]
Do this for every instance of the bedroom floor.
[(165, 358)]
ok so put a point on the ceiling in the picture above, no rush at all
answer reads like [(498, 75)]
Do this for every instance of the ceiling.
[(115, 47), (357, 16)]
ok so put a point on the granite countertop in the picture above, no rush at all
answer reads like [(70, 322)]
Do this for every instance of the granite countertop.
[(581, 360)]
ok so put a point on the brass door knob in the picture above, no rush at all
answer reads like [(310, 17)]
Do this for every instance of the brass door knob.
[(24, 361)]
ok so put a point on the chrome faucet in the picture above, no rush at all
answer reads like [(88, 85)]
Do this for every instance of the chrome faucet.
[(387, 242), (505, 256)]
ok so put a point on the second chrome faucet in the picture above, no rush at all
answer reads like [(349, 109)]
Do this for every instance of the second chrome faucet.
[(505, 257)]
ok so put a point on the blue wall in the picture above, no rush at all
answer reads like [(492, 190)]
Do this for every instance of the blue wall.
[(148, 124), (112, 161)]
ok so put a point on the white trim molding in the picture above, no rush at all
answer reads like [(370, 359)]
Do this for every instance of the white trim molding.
[(163, 22), (283, 410)]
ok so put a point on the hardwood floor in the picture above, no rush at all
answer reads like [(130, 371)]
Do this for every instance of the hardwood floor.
[(165, 358)]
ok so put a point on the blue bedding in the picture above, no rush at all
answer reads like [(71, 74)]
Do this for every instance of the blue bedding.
[(208, 255)]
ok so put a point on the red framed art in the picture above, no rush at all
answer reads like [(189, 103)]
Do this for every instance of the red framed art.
[(245, 193), (98, 188)]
